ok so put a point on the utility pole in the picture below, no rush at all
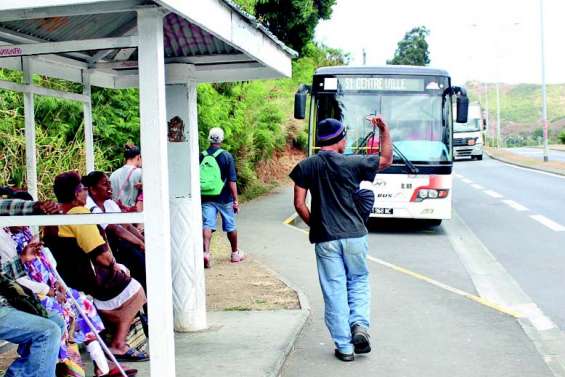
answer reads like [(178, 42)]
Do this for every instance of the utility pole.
[(498, 114), (543, 88), (364, 57), (486, 107)]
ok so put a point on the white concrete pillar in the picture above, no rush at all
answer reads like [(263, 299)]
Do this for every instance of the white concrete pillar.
[(189, 293), (156, 191), (29, 115), (88, 130)]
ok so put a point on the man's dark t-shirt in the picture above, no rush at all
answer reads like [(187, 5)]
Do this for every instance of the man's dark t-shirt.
[(332, 180), (227, 167)]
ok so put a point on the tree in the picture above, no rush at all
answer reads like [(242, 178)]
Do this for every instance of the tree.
[(413, 48), (293, 21)]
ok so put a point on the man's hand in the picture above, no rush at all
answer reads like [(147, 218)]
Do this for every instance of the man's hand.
[(47, 207), (378, 121), (235, 207)]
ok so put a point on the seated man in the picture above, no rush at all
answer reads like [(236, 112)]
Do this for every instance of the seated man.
[(126, 241), (40, 338), (85, 261)]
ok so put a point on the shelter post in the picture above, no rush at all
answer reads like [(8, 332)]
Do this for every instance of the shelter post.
[(88, 130), (29, 115), (189, 293), (156, 190)]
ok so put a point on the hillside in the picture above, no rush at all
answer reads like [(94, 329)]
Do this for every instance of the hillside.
[(520, 110)]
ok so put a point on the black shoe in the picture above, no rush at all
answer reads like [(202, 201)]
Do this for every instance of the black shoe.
[(344, 356), (360, 339)]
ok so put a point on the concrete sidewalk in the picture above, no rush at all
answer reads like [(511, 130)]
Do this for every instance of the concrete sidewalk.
[(418, 329), (238, 344)]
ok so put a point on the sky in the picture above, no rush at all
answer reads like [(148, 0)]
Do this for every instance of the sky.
[(485, 40)]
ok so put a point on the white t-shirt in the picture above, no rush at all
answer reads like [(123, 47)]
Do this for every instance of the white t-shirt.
[(123, 189), (110, 206)]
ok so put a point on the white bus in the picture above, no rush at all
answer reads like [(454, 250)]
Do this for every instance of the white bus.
[(416, 103)]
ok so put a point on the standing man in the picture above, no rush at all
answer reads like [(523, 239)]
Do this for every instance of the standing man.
[(338, 230), (218, 184)]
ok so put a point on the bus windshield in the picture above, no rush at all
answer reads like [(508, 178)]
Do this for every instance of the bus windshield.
[(473, 125), (420, 123)]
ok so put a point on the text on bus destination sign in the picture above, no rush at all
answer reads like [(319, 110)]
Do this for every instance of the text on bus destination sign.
[(381, 83)]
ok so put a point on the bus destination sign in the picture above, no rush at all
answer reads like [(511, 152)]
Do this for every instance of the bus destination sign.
[(381, 84)]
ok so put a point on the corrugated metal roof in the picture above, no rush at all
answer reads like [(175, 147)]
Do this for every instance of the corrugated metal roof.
[(181, 37), (381, 70)]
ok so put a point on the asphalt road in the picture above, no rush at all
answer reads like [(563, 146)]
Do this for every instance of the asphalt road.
[(519, 215), (538, 153), (419, 329)]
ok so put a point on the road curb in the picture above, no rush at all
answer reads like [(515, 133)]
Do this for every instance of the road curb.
[(305, 310), (504, 160)]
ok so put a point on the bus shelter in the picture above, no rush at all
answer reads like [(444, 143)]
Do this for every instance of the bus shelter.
[(165, 48)]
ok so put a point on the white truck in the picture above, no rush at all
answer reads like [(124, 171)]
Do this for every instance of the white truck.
[(468, 138)]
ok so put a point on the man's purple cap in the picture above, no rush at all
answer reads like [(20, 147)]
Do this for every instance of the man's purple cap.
[(330, 131)]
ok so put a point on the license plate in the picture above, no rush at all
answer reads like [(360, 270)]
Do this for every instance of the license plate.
[(383, 211)]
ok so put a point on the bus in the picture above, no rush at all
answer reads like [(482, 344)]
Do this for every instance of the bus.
[(416, 103), (468, 138)]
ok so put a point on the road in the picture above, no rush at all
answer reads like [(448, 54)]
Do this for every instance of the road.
[(505, 243), (538, 153)]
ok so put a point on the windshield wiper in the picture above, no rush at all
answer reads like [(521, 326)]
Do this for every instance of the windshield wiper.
[(413, 169)]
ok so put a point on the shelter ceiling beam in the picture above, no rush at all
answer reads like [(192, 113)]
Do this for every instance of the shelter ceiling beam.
[(43, 91), (68, 10), (126, 30), (68, 46), (15, 37)]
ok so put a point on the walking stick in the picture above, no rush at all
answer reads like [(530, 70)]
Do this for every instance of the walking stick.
[(82, 313)]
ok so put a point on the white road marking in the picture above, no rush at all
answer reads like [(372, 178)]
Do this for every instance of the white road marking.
[(548, 223), (466, 180), (494, 194), (478, 187), (535, 171), (516, 206)]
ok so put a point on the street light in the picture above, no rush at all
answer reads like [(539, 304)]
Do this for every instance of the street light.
[(543, 88)]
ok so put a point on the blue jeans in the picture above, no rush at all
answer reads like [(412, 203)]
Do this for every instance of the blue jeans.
[(344, 279), (39, 340), (210, 212)]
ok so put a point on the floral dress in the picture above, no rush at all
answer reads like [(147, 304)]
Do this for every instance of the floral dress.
[(41, 270)]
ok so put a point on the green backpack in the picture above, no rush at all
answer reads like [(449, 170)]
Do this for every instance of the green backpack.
[(211, 183)]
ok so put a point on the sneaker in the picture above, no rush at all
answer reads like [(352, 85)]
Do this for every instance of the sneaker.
[(344, 356), (360, 339), (207, 260), (238, 256)]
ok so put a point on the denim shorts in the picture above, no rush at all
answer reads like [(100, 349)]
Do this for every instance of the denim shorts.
[(210, 216)]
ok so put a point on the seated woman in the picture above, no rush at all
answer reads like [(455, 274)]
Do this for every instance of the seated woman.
[(39, 269), (85, 262), (126, 241)]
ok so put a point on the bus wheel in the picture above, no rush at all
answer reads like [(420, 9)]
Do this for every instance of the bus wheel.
[(479, 157), (433, 223)]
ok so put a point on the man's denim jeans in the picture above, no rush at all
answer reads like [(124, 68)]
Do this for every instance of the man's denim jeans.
[(39, 339), (344, 279)]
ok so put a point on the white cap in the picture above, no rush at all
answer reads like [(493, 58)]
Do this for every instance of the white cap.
[(216, 135)]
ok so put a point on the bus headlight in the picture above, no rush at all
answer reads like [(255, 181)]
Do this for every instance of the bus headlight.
[(428, 193)]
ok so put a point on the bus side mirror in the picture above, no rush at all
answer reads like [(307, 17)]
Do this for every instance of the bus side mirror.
[(462, 108), (484, 124), (300, 102)]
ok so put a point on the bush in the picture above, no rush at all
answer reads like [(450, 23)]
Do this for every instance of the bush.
[(562, 137)]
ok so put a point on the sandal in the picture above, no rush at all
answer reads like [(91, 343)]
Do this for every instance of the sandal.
[(132, 355), (115, 372)]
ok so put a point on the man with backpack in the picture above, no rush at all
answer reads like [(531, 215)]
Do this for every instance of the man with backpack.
[(218, 185)]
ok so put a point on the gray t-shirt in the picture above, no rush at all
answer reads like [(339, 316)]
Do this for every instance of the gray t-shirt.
[(123, 184), (332, 180)]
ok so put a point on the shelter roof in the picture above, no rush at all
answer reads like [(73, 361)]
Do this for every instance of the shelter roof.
[(216, 37)]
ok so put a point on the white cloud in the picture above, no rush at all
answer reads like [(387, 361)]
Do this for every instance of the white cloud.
[(487, 40)]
